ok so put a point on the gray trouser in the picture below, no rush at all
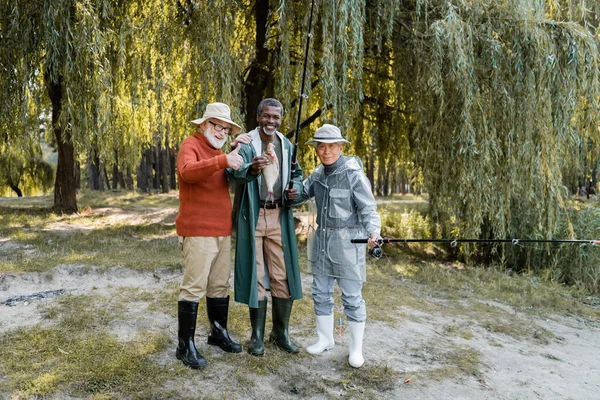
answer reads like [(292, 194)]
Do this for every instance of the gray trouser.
[(354, 305)]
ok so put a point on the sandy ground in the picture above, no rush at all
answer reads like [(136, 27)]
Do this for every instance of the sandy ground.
[(566, 367)]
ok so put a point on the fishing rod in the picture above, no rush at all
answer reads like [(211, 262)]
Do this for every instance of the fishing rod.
[(300, 98), (377, 253)]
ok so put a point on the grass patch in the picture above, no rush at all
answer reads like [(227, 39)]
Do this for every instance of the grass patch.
[(448, 360), (40, 239), (144, 247), (459, 361), (462, 331), (274, 360), (81, 314), (372, 376), (40, 361), (524, 293)]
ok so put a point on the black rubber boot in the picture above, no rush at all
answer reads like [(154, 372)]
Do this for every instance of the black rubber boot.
[(282, 308), (218, 310), (257, 319), (186, 349)]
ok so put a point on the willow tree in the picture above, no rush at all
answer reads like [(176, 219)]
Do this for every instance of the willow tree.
[(56, 50), (506, 98)]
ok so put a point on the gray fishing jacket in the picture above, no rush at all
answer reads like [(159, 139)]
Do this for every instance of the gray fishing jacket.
[(345, 210)]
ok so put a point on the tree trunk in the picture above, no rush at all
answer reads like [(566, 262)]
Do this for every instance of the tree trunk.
[(77, 176), (259, 74), (150, 168), (105, 176), (173, 169), (94, 171), (128, 179), (371, 169), (115, 173), (164, 170), (16, 189), (156, 165), (65, 192), (386, 181), (142, 178)]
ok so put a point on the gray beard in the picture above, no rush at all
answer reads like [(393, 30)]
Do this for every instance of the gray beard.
[(271, 133), (217, 144)]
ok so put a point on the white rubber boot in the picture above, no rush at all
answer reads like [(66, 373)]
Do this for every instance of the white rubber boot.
[(325, 335), (357, 331)]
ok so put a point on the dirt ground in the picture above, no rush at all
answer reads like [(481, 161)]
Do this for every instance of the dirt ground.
[(567, 366)]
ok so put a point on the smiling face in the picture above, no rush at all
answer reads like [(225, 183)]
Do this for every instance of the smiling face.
[(216, 138), (269, 120), (329, 153)]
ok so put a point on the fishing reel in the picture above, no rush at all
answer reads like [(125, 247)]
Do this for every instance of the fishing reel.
[(376, 252)]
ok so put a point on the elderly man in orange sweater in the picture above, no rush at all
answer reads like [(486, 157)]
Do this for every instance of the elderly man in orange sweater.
[(204, 229)]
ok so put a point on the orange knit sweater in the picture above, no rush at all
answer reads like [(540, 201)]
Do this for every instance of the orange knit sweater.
[(204, 202)]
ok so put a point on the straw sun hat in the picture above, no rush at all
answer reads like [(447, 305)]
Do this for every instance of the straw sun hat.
[(221, 112)]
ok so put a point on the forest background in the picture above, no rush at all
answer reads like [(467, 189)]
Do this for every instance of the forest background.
[(491, 107)]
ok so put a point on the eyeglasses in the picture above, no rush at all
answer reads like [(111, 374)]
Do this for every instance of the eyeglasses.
[(220, 128)]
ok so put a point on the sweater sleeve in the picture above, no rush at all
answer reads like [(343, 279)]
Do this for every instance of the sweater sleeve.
[(193, 167)]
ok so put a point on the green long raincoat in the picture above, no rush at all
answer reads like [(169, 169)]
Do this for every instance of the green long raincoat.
[(246, 209)]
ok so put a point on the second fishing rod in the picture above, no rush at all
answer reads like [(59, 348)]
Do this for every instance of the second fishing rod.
[(376, 251)]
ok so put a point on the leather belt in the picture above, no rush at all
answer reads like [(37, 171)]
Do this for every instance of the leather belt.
[(270, 206)]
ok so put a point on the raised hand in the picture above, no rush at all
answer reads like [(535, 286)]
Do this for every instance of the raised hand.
[(243, 138), (234, 160)]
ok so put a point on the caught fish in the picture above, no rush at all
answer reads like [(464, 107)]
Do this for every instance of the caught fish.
[(271, 171)]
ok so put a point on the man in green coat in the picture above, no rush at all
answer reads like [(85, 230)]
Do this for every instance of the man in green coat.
[(266, 238)]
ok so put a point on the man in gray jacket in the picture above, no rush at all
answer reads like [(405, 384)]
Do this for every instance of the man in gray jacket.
[(346, 210)]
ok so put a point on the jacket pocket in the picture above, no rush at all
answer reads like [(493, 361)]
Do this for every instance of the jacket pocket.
[(339, 248), (340, 203)]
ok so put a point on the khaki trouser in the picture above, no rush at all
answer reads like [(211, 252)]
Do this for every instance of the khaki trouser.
[(269, 249), (207, 262)]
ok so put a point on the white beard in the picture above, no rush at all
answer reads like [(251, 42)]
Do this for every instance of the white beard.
[(217, 144)]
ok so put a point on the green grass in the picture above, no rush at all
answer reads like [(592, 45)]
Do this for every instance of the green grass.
[(94, 199), (41, 361), (406, 207), (458, 361), (86, 239)]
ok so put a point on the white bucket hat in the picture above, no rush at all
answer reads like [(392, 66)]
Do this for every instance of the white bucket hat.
[(328, 134), (221, 112)]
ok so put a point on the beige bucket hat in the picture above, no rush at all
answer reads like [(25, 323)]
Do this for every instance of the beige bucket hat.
[(328, 134), (221, 112)]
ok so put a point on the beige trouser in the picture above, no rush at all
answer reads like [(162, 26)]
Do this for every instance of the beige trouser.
[(269, 249), (207, 267)]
